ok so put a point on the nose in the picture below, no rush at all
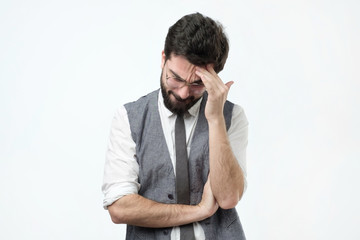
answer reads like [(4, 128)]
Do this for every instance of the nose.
[(184, 92)]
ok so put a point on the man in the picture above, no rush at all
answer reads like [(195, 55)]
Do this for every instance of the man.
[(153, 182)]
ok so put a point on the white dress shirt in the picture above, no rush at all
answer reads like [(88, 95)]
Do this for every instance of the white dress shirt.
[(121, 168)]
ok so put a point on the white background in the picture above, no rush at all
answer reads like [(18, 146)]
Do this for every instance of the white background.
[(65, 66)]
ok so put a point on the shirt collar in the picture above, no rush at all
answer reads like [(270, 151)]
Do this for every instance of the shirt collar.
[(193, 111)]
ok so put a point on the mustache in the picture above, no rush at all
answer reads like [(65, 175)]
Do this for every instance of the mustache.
[(191, 98)]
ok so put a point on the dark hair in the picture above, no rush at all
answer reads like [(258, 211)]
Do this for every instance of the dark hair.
[(199, 39)]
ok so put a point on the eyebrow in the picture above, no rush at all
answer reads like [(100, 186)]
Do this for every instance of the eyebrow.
[(180, 78), (176, 75)]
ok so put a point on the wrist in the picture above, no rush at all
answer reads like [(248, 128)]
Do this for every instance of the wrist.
[(218, 120), (206, 210), (202, 212)]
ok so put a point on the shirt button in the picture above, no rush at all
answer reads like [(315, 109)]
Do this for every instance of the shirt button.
[(171, 197)]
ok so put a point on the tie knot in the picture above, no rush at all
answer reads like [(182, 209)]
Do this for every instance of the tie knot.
[(180, 116), (183, 115)]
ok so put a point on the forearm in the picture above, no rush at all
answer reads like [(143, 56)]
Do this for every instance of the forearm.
[(139, 211), (227, 180)]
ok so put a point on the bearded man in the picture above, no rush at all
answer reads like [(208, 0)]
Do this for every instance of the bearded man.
[(176, 161)]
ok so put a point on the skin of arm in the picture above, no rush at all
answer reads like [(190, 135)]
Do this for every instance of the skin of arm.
[(139, 211), (227, 180)]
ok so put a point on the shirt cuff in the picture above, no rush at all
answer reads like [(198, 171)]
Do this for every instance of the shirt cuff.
[(117, 191)]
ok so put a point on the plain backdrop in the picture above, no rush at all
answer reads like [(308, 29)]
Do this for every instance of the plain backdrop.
[(65, 67)]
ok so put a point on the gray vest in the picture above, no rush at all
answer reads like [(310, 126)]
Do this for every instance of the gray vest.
[(156, 173)]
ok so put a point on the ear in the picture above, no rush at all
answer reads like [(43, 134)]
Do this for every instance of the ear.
[(163, 57)]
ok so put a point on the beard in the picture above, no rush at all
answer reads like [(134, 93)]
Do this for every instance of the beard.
[(179, 106)]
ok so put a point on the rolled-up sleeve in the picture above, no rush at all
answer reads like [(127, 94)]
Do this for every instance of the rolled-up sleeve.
[(121, 168), (238, 137)]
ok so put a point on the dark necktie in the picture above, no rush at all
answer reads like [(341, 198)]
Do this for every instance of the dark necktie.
[(182, 175)]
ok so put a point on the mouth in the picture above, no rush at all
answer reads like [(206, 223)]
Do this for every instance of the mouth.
[(181, 100)]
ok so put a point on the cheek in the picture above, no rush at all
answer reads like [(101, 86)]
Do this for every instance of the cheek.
[(172, 96)]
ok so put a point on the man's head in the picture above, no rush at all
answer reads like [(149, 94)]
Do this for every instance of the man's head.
[(194, 40), (199, 39)]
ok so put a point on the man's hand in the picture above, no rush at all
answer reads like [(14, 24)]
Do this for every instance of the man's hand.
[(217, 92), (208, 203)]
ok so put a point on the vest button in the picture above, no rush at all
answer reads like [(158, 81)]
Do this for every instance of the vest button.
[(171, 197), (166, 232)]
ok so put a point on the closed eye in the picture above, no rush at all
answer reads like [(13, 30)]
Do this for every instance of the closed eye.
[(178, 80), (197, 83)]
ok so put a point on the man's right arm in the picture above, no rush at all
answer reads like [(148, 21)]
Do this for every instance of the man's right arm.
[(139, 211)]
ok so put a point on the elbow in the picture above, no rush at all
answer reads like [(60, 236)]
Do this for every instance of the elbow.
[(121, 211), (115, 219), (228, 203), (116, 214)]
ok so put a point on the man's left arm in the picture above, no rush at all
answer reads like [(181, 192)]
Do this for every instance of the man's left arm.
[(227, 177)]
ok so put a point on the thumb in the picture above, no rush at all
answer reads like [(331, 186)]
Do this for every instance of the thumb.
[(228, 84)]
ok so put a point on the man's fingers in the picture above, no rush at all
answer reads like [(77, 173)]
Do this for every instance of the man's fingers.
[(228, 84), (210, 79)]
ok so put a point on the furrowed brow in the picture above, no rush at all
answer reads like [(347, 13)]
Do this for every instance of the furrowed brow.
[(177, 76), (180, 78)]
